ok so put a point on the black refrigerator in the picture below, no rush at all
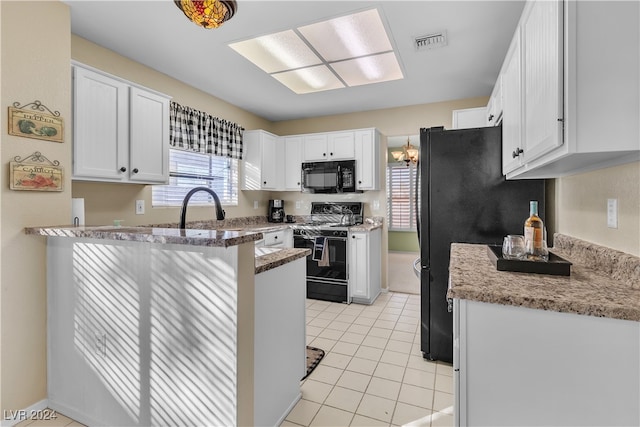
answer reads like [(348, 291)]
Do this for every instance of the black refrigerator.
[(463, 198)]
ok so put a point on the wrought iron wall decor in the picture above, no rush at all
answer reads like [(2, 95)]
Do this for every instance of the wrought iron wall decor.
[(34, 123), (35, 173)]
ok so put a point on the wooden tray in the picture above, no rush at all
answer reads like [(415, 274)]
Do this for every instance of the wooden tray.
[(555, 266)]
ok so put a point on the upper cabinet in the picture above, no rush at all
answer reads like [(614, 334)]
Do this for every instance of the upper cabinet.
[(328, 146), (293, 163), (494, 106), (275, 163), (577, 108), (263, 156), (367, 155), (468, 118), (121, 130)]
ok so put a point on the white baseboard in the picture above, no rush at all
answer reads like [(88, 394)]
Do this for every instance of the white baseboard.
[(11, 417)]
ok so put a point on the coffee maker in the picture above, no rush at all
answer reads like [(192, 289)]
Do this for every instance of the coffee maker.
[(276, 211)]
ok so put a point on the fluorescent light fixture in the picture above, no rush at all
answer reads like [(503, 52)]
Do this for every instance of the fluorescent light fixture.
[(348, 36), (350, 50), (311, 79), (369, 69), (277, 52)]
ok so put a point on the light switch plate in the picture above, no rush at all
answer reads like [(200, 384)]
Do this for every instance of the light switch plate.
[(376, 205), (139, 207), (612, 213)]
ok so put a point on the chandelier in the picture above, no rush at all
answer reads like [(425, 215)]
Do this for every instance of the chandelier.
[(208, 13), (409, 154)]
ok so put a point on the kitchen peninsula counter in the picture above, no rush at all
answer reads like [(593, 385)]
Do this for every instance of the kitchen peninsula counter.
[(186, 316), (612, 289)]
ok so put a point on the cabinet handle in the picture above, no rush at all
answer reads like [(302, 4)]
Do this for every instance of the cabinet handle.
[(324, 154), (275, 237), (123, 169), (135, 170), (331, 154), (359, 182), (264, 182), (353, 236), (490, 117), (298, 183), (517, 152)]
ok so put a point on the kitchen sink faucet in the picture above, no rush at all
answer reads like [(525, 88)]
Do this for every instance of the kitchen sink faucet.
[(185, 202)]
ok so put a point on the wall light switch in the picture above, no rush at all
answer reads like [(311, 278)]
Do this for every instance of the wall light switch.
[(139, 207), (612, 213), (376, 205), (255, 204)]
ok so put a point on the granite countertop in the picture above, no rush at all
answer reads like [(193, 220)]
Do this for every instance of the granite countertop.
[(194, 237), (612, 289), (269, 258)]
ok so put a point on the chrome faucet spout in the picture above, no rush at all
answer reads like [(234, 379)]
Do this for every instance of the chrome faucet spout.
[(183, 213)]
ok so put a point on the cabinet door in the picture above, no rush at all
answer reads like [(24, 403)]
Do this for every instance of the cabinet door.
[(271, 159), (358, 265), (542, 78), (512, 108), (315, 147), (367, 156), (494, 107), (149, 137), (293, 163), (341, 146), (100, 127)]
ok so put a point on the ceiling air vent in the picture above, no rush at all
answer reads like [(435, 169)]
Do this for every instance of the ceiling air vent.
[(432, 41)]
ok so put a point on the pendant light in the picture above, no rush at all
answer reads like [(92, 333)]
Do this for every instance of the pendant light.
[(208, 13)]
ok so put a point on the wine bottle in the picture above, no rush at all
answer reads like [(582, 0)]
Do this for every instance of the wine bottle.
[(533, 234)]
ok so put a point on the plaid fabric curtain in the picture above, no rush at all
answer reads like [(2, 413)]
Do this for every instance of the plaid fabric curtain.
[(198, 131)]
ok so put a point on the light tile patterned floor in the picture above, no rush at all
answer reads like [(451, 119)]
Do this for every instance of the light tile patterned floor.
[(373, 373)]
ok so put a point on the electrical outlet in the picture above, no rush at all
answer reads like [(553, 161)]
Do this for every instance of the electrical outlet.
[(298, 204), (376, 205), (101, 343), (612, 213), (255, 204), (139, 207)]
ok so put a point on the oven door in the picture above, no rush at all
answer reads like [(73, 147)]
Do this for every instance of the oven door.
[(327, 282)]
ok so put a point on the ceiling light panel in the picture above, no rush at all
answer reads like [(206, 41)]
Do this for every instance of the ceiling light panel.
[(307, 80), (369, 69), (277, 52), (348, 36)]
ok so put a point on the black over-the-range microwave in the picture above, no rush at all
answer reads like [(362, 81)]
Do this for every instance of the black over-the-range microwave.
[(329, 177)]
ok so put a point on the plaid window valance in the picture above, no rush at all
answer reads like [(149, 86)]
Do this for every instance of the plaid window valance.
[(198, 131)]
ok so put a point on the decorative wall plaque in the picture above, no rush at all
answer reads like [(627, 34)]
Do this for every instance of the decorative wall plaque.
[(35, 173), (34, 123)]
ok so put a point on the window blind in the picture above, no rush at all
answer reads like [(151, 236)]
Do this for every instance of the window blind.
[(401, 182), (188, 170)]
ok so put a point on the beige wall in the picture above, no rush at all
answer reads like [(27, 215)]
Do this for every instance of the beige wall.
[(581, 206), (35, 66), (105, 202)]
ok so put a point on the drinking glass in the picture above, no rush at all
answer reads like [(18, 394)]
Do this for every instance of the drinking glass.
[(513, 247)]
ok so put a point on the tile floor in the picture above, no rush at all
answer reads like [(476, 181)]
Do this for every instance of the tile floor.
[(373, 373)]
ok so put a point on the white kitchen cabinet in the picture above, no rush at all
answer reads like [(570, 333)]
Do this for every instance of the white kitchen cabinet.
[(121, 130), (364, 265), (512, 144), (293, 163), (469, 118), (580, 103), (329, 146), (522, 366), (367, 155), (278, 239), (542, 85), (262, 161), (494, 106)]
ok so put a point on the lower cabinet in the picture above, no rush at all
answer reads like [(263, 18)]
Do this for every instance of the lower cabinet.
[(365, 265), (522, 366)]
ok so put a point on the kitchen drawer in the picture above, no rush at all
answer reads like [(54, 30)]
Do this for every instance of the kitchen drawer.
[(274, 238)]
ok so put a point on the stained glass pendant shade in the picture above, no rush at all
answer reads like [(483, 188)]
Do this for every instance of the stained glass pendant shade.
[(208, 13)]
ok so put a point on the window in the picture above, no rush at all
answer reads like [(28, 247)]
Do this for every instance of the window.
[(401, 182), (188, 170)]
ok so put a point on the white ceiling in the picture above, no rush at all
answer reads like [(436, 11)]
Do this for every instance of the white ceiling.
[(157, 34)]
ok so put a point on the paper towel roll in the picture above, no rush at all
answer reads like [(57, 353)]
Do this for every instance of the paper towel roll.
[(77, 211)]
